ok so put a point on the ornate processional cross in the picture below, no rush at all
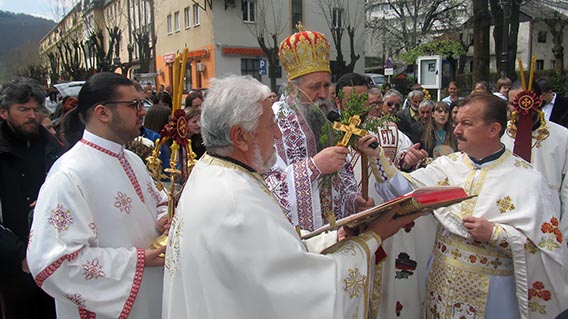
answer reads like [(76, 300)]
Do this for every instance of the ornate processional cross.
[(350, 130)]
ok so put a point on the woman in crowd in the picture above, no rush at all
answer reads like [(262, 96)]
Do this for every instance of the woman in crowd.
[(453, 92), (194, 100), (438, 138), (194, 129)]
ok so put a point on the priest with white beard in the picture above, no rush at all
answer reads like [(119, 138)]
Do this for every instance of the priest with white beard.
[(232, 252), (310, 179)]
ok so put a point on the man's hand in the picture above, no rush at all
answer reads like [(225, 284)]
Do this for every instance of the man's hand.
[(363, 146), (25, 267), (163, 225), (388, 224), (413, 156), (362, 204), (331, 159), (152, 257), (480, 229)]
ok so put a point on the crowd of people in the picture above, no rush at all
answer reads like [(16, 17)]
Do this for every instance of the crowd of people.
[(79, 209)]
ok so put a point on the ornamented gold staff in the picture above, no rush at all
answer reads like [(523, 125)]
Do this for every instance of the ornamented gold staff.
[(182, 157)]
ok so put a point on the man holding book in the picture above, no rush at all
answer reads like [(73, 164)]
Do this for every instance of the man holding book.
[(501, 253), (232, 252)]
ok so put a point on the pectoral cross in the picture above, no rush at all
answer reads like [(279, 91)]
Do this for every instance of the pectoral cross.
[(350, 130)]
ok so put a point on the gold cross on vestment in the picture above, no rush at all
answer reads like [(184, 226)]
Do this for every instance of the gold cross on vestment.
[(350, 130)]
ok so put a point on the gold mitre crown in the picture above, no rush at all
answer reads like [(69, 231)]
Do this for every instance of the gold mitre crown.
[(304, 52)]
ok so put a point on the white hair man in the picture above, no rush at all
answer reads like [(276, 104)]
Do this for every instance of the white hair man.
[(232, 253)]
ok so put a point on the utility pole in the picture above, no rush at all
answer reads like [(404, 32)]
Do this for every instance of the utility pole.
[(506, 27)]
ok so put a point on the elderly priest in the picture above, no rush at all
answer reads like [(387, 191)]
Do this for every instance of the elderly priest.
[(232, 252)]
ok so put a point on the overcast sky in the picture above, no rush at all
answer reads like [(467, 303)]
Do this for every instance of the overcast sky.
[(39, 8)]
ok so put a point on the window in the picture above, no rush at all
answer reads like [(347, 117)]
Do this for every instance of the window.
[(195, 15), (337, 17), (541, 37), (297, 14), (176, 21), (249, 13), (187, 18), (169, 21), (250, 67), (539, 65)]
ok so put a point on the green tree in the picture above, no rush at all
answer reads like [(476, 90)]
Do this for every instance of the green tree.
[(449, 49)]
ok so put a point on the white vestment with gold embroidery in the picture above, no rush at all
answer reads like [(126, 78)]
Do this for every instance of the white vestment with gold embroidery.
[(399, 280), (551, 159), (305, 194), (521, 268), (95, 215), (232, 253)]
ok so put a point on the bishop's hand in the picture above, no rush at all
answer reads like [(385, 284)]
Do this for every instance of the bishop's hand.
[(331, 159), (364, 146)]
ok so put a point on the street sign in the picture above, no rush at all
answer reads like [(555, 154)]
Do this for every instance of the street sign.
[(389, 71), (262, 66), (388, 64)]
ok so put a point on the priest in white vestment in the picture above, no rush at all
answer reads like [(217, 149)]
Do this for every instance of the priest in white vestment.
[(549, 155), (98, 212), (310, 180), (399, 282), (500, 254), (232, 252)]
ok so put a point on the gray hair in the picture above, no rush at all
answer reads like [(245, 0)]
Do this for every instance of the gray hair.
[(375, 91), (234, 100), (415, 93), (392, 92), (426, 103)]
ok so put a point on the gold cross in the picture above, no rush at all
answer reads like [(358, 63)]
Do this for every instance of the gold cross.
[(350, 130), (505, 204)]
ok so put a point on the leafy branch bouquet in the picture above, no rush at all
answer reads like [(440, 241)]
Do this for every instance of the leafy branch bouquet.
[(354, 106)]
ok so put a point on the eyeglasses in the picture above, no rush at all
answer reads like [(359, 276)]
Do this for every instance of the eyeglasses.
[(135, 104), (391, 104)]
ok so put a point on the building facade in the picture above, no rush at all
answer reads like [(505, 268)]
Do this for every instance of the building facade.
[(221, 35)]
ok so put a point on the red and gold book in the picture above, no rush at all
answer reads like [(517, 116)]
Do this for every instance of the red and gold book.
[(419, 200)]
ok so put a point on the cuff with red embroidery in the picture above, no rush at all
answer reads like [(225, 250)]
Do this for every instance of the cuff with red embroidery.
[(384, 169), (313, 169), (500, 238)]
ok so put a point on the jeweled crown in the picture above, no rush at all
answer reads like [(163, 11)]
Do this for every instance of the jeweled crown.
[(304, 52)]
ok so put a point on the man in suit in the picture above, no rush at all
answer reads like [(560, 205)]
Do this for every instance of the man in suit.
[(555, 107)]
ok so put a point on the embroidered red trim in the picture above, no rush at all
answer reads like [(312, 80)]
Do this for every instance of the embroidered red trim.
[(135, 285), (86, 314), (49, 270), (123, 162)]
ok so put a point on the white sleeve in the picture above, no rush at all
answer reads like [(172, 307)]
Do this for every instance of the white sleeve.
[(64, 258)]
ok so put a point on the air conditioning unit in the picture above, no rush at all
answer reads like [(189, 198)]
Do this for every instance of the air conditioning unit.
[(200, 66)]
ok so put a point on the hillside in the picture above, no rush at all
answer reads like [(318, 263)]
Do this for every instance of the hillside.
[(20, 32)]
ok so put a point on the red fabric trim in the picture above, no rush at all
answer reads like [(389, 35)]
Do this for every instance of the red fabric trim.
[(49, 270), (86, 314), (523, 141), (123, 162), (135, 285)]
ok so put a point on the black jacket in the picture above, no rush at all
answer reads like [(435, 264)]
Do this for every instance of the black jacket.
[(559, 113), (24, 164)]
